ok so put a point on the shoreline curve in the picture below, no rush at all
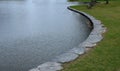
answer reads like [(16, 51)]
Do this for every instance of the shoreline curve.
[(94, 37)]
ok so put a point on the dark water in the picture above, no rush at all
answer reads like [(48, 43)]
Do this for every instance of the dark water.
[(33, 32)]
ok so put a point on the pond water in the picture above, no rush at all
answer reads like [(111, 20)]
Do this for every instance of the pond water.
[(35, 31)]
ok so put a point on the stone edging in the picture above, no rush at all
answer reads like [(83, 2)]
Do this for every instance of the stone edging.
[(92, 40)]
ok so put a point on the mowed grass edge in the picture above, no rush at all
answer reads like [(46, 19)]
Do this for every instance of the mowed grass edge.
[(106, 55)]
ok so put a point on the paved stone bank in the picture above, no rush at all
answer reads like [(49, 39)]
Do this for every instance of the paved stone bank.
[(92, 40)]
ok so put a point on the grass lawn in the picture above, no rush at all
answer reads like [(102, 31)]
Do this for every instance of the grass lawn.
[(106, 55)]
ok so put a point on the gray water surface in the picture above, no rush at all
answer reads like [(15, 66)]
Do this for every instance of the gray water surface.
[(35, 31)]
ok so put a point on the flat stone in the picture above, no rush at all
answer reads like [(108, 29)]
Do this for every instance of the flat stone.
[(94, 38), (96, 22), (78, 50), (35, 69), (88, 44), (98, 29), (66, 57), (50, 66)]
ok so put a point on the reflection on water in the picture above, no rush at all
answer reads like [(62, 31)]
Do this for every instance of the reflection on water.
[(33, 32)]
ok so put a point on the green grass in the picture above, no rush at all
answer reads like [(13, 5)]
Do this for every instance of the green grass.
[(88, 0), (106, 55)]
